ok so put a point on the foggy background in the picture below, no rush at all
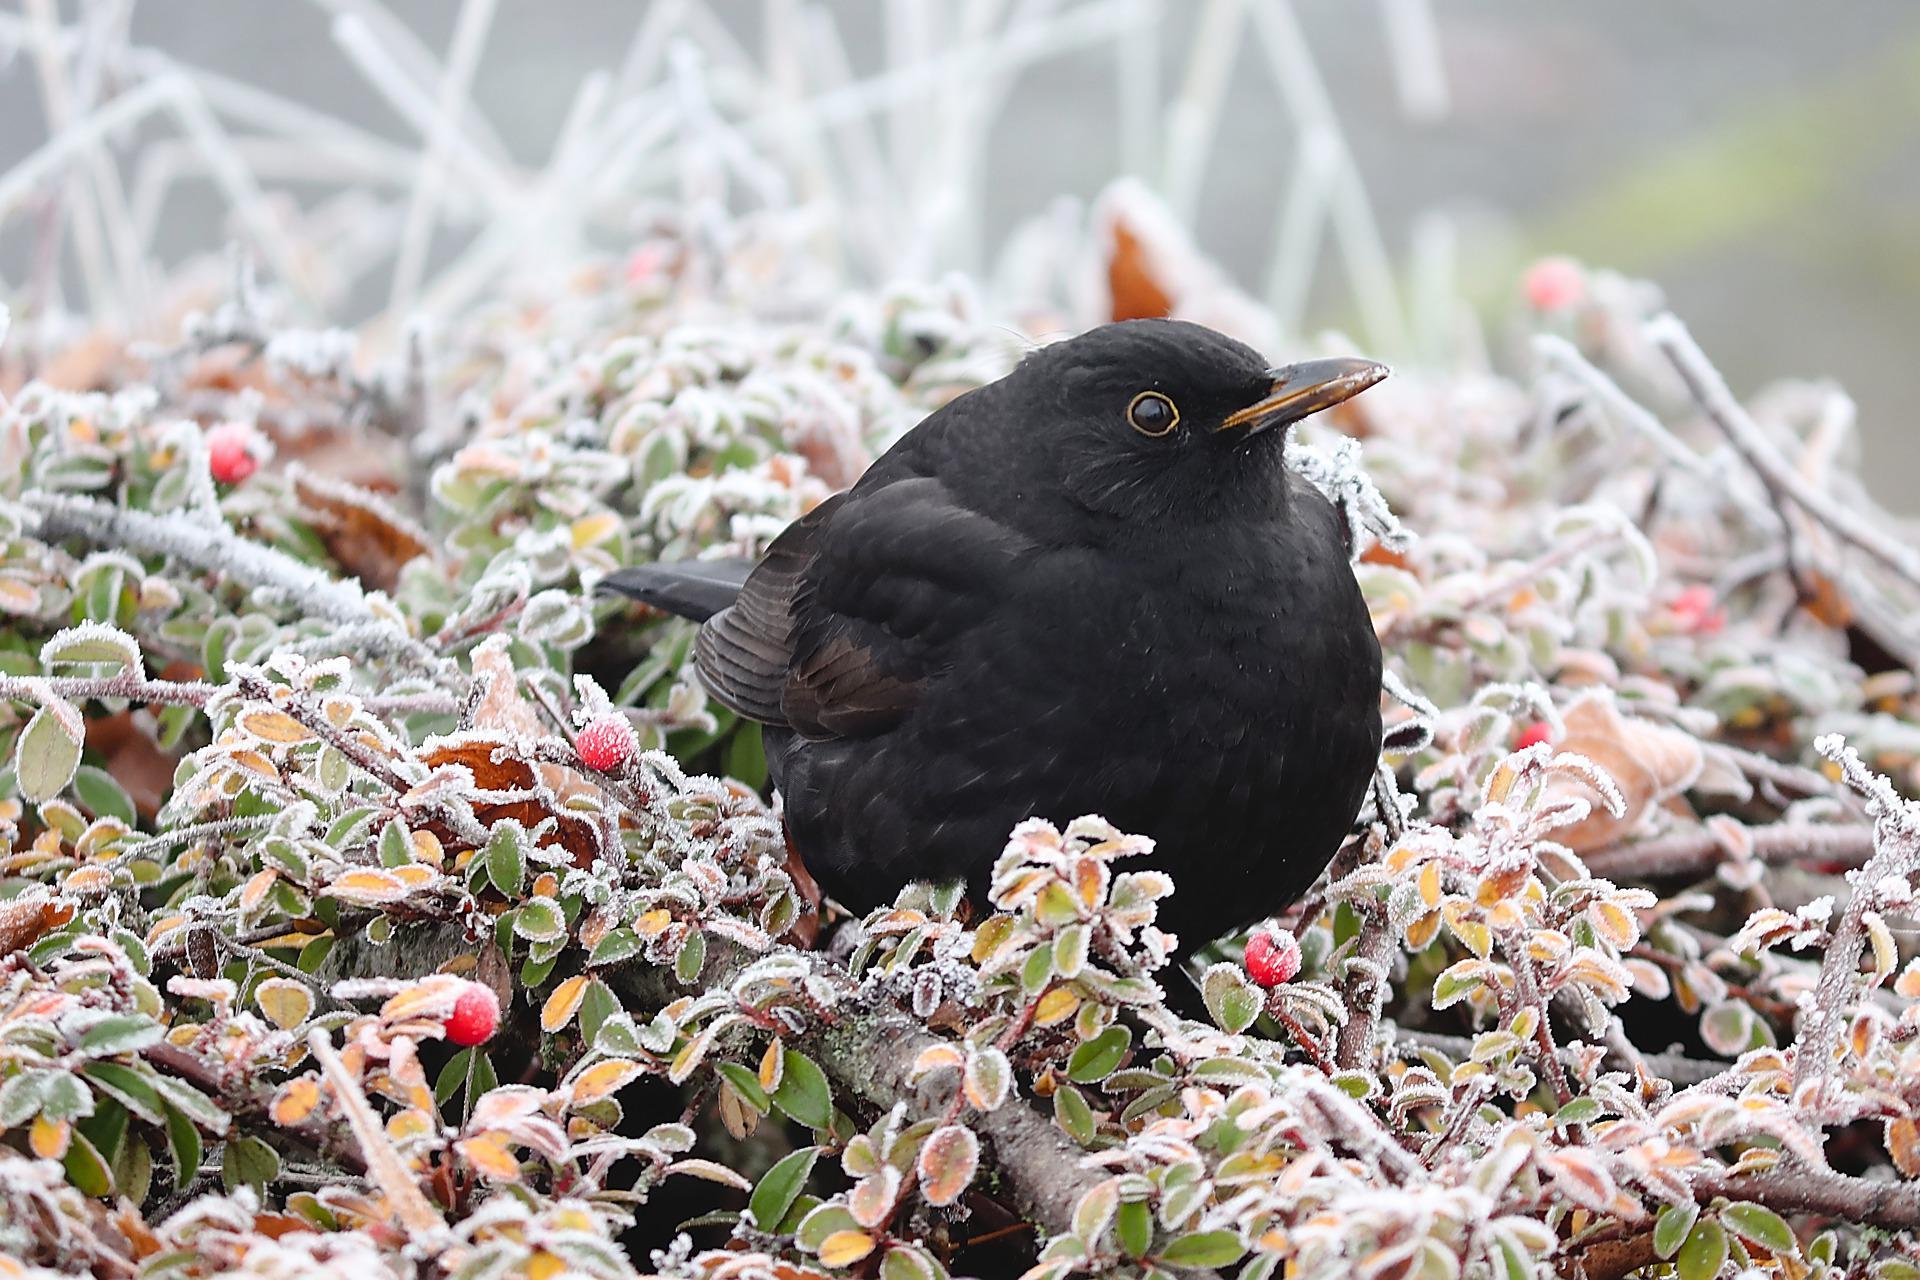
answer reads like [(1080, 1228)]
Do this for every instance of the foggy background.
[(1760, 160)]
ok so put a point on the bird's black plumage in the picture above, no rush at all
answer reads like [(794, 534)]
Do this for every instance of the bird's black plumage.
[(1089, 587)]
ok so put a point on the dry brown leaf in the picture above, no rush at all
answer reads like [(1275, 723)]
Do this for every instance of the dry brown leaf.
[(25, 919), (1650, 764), (362, 532), (503, 707), (572, 832)]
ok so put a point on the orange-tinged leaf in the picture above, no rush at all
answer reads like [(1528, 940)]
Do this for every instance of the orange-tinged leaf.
[(1615, 923), (49, 1139), (560, 1007), (947, 1162), (1423, 931), (255, 763), (1057, 1005), (1903, 1144), (295, 1101), (844, 1248), (276, 727), (257, 888), (410, 1123), (431, 997), (489, 1155), (1430, 884), (368, 886), (286, 1003), (648, 923), (603, 1078), (773, 1065)]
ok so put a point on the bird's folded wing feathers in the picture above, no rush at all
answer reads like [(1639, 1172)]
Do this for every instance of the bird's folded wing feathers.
[(854, 609)]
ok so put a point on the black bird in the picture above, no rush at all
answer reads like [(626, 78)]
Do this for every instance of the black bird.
[(1089, 587)]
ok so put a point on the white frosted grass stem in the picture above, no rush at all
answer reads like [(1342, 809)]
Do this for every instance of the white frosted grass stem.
[(647, 49), (424, 1226), (376, 65), (418, 63), (1754, 447), (1193, 118), (872, 195), (1136, 68), (1299, 227), (463, 58), (242, 191), (1413, 51), (908, 29), (69, 200), (1433, 289), (1362, 248), (25, 178)]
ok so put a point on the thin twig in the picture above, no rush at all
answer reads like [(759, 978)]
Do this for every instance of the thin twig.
[(1757, 451)]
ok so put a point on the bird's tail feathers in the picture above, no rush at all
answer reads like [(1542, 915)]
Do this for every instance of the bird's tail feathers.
[(695, 589)]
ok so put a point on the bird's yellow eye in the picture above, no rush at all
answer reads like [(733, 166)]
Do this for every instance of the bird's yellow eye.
[(1152, 414)]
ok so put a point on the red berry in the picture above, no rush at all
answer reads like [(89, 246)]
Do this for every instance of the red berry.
[(230, 452), (475, 1014), (1553, 284), (1694, 610), (1538, 731), (605, 743), (1273, 956)]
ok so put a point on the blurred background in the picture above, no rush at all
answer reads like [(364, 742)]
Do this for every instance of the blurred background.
[(1760, 161)]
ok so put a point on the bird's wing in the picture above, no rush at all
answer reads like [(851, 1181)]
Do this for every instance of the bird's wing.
[(744, 651), (854, 609)]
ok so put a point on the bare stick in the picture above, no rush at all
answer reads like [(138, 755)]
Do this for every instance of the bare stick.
[(1758, 452)]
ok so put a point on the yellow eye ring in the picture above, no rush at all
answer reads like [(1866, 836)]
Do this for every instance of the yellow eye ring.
[(1153, 414)]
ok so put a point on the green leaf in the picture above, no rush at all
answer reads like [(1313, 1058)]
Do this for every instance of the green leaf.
[(1133, 1226), (64, 1097), (47, 752), (1760, 1225), (596, 1007), (1577, 1111), (1071, 1113), (507, 859), (907, 1262), (540, 920), (126, 1086), (1099, 1057), (1451, 987), (121, 1033), (92, 646), (1704, 1252), (1204, 1249), (1232, 1001), (1671, 1227), (132, 1168), (619, 944), (693, 955), (780, 1187), (102, 796), (451, 1077), (747, 1085), (803, 1093), (86, 1170), (21, 1096), (248, 1162)]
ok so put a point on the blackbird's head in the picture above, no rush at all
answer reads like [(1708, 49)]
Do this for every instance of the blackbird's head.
[(1154, 417)]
